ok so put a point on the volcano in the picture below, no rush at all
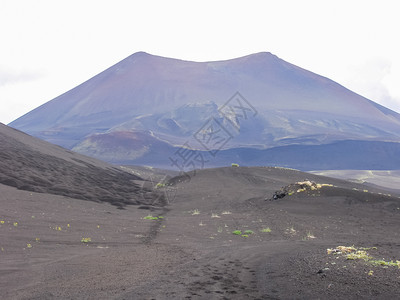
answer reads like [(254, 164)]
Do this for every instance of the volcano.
[(147, 108)]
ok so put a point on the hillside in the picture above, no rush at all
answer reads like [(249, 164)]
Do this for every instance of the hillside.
[(28, 163)]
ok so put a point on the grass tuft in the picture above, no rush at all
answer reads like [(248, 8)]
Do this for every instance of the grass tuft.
[(195, 212)]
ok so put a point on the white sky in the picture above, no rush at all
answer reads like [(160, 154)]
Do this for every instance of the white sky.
[(50, 46)]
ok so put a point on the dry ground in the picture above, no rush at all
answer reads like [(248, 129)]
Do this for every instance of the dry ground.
[(190, 251)]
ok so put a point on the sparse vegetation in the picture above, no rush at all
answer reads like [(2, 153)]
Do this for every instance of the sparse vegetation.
[(225, 212), (291, 231), (235, 165), (237, 232), (353, 253), (266, 230), (248, 232), (160, 185), (310, 235), (150, 217), (86, 240), (195, 212)]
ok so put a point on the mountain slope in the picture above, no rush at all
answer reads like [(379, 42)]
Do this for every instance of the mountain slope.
[(171, 101), (28, 163)]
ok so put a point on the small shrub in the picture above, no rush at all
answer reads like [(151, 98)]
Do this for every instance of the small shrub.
[(384, 263), (150, 217), (86, 240), (248, 232), (195, 212), (360, 254), (237, 232), (266, 230), (235, 165)]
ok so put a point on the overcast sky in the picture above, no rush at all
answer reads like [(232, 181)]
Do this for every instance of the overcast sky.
[(48, 47)]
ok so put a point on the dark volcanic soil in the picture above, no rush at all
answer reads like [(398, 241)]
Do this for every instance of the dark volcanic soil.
[(187, 250), (30, 164)]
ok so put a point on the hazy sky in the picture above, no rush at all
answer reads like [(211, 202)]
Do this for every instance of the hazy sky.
[(48, 46)]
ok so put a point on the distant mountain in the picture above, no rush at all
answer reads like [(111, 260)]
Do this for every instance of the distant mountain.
[(145, 108), (28, 163)]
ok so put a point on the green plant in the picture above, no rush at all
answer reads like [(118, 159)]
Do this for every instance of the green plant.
[(381, 262), (160, 185), (248, 232), (86, 240), (235, 165), (150, 217), (359, 254), (266, 230), (237, 232)]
